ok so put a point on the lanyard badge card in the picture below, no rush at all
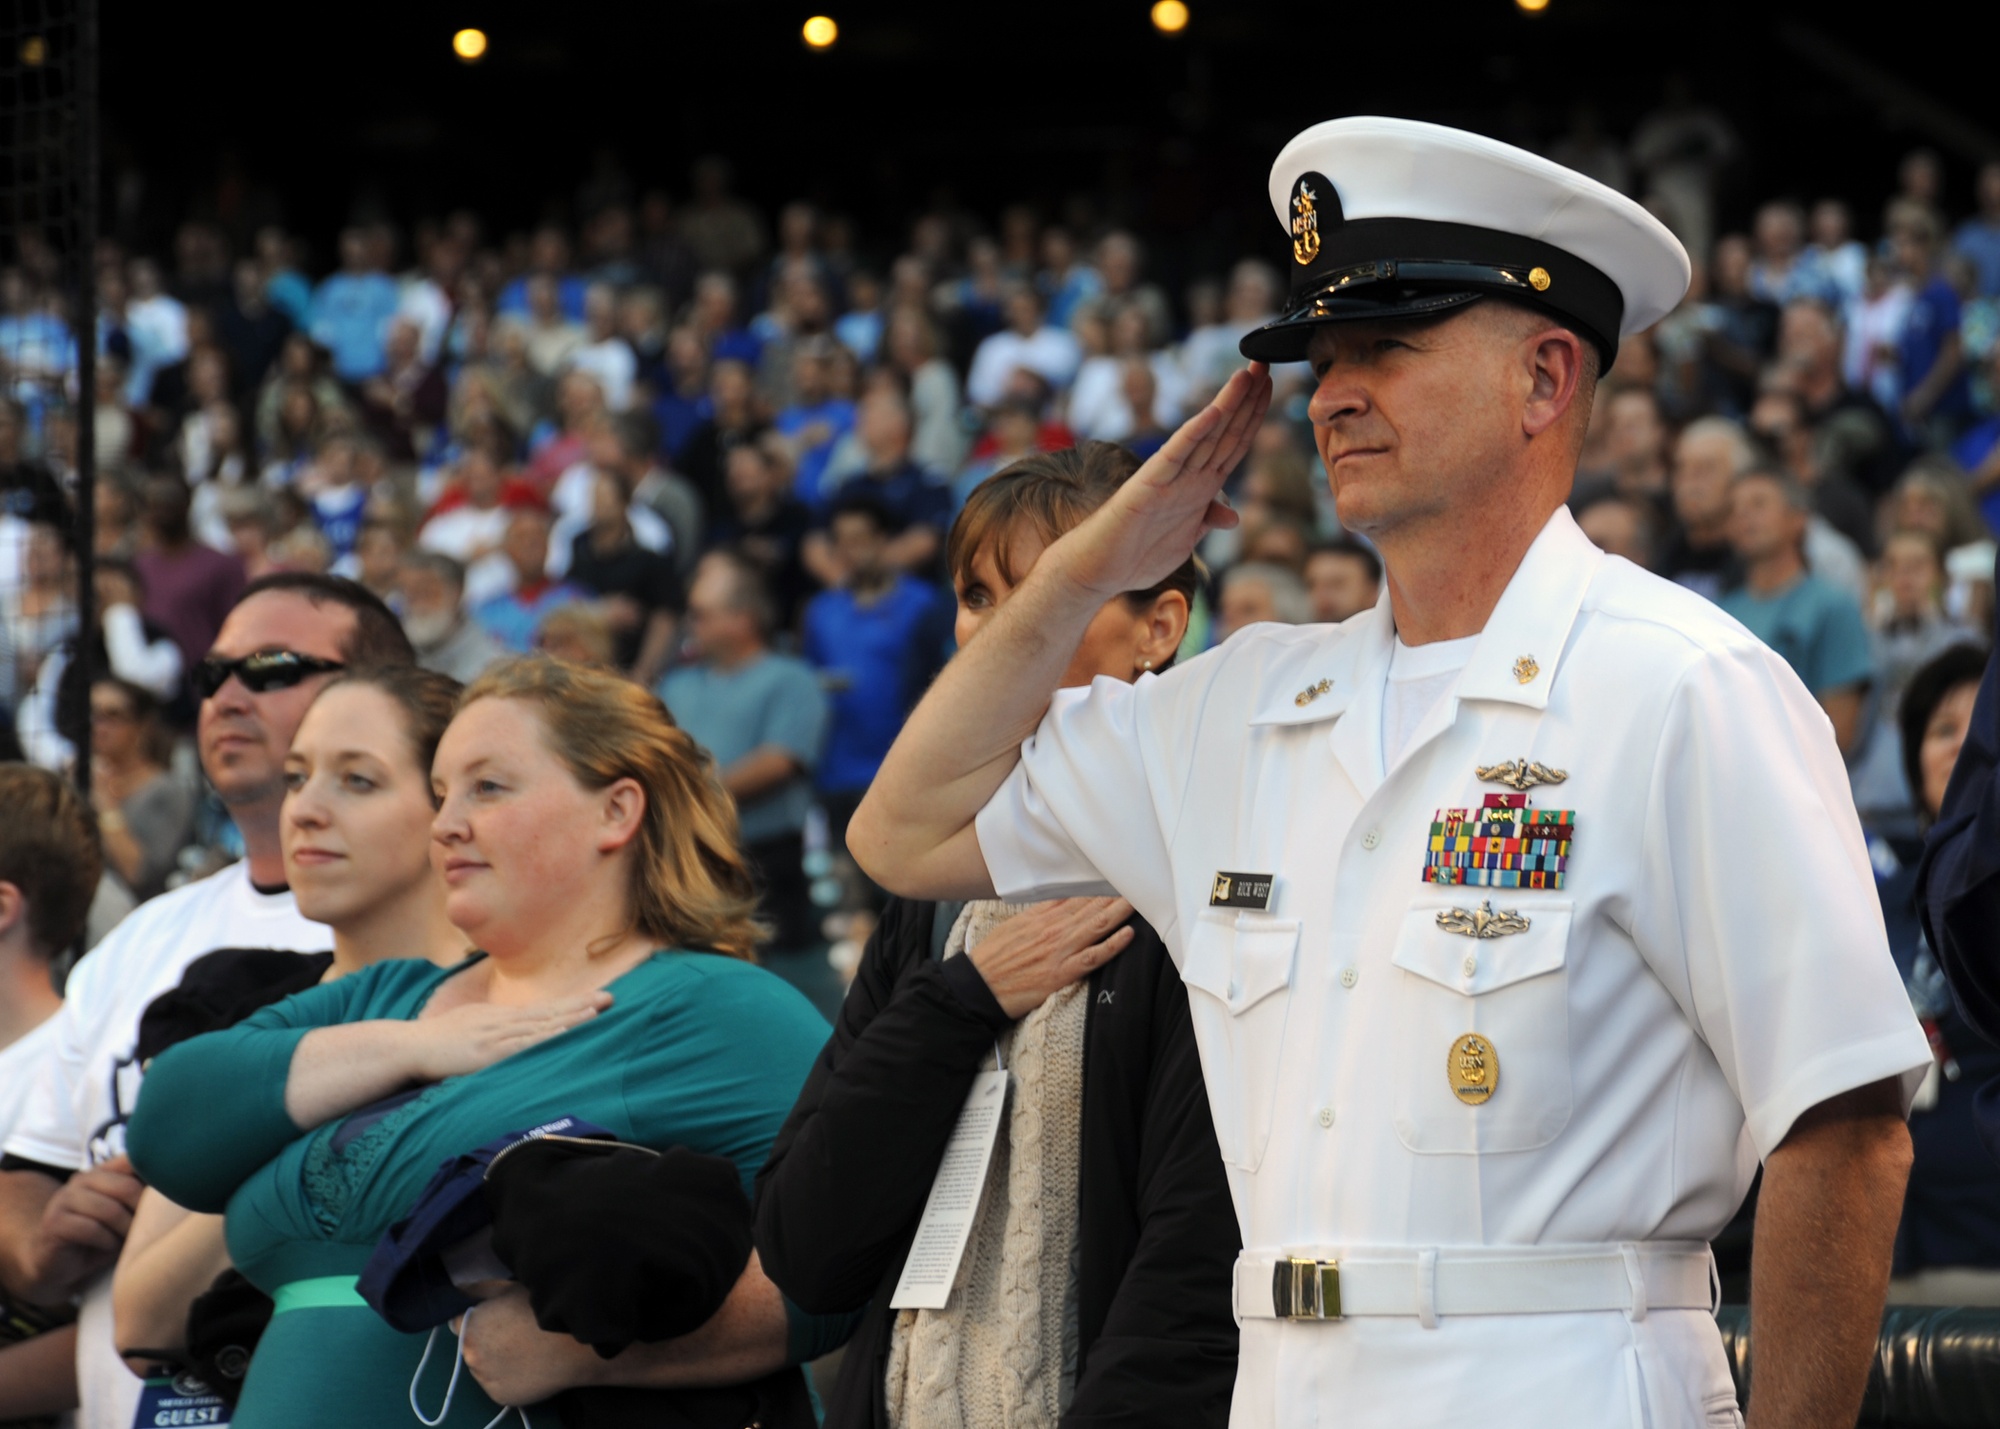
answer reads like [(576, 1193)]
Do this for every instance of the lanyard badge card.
[(182, 1400), (946, 1224)]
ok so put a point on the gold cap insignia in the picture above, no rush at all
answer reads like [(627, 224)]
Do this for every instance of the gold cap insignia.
[(1525, 669), (1305, 224), (1538, 279), (1473, 1069)]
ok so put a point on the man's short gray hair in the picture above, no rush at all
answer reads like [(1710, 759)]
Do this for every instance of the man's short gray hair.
[(1724, 429), (448, 569), (1289, 601)]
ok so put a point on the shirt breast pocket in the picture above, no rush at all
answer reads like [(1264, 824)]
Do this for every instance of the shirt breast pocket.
[(1511, 1091), (1238, 969)]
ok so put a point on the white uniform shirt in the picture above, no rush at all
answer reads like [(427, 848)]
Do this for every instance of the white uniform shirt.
[(83, 1088), (1713, 965)]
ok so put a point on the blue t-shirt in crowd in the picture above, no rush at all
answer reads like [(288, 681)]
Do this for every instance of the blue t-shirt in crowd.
[(513, 618), (1969, 451), (738, 344), (876, 657), (291, 294), (338, 512), (1933, 318), (1978, 239), (678, 418), (774, 700), (838, 415), (1815, 625), (908, 492), (513, 299), (860, 333), (350, 319)]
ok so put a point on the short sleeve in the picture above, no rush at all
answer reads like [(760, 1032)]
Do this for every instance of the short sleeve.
[(721, 1062), (795, 719), (1755, 901), (47, 1131), (1080, 815), (1842, 656)]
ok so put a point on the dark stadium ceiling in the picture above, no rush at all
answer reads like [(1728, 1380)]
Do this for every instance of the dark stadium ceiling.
[(317, 111)]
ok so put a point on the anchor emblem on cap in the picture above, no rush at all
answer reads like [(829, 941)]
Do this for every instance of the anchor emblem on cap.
[(1305, 224)]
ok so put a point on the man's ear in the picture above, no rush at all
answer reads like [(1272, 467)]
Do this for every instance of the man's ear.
[(1161, 631), (1556, 366), (13, 908)]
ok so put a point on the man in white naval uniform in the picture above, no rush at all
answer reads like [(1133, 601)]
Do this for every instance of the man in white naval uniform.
[(1523, 915)]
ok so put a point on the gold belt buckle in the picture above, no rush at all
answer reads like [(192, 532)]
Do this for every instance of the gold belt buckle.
[(1306, 1289)]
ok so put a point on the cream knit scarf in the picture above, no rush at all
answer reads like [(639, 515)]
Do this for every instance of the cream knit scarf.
[(994, 1357)]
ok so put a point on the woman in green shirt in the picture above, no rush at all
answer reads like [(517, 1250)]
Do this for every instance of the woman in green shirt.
[(589, 851)]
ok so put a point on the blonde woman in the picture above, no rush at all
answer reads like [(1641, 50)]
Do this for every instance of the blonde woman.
[(590, 853)]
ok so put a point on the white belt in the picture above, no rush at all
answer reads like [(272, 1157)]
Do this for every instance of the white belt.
[(1527, 1280)]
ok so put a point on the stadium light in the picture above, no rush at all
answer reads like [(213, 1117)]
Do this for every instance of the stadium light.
[(469, 45), (821, 32), (1170, 17), (1532, 7)]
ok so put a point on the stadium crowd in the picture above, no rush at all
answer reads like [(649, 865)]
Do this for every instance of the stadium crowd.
[(721, 458)]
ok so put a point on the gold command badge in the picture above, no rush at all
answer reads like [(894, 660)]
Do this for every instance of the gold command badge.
[(1473, 1069), (1305, 225)]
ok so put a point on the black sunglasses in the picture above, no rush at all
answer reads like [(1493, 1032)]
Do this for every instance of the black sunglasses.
[(266, 670)]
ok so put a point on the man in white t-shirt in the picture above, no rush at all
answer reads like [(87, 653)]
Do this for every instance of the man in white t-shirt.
[(50, 862), (1027, 341), (66, 1190)]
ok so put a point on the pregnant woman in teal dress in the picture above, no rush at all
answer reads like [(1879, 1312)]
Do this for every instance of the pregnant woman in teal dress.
[(590, 853)]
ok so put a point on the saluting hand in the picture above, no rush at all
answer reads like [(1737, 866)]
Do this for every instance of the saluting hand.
[(1042, 950), (468, 1038), (1153, 522)]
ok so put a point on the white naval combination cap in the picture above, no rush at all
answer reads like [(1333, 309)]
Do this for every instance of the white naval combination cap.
[(1396, 218)]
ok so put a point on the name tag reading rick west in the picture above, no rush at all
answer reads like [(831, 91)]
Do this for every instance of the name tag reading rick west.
[(954, 1200), (1241, 890)]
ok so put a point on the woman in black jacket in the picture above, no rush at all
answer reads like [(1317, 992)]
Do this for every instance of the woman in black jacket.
[(1094, 1288)]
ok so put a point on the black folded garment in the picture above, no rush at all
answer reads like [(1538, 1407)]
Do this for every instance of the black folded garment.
[(220, 989), (617, 1244)]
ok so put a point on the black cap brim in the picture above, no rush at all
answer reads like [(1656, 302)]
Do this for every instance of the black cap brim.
[(1288, 337), (1387, 268)]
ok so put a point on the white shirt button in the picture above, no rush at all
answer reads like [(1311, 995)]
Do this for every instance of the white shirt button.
[(1370, 839), (1471, 965), (1326, 1116), (1348, 977)]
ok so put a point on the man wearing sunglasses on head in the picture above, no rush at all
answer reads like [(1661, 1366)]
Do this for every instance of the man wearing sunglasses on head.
[(66, 1189)]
